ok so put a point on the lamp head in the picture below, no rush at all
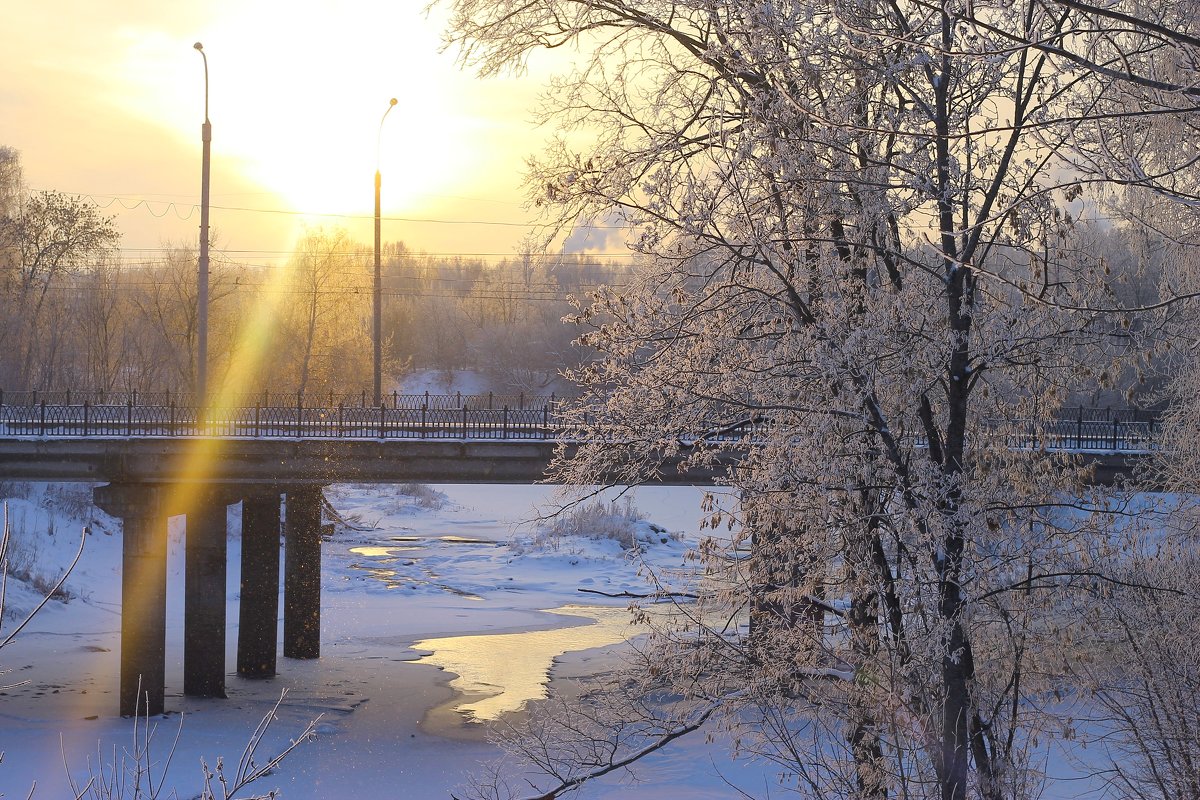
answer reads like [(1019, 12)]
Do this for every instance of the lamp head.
[(393, 102), (198, 46)]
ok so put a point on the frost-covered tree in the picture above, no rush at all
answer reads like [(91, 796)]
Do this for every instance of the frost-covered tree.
[(856, 225), (44, 238), (323, 313)]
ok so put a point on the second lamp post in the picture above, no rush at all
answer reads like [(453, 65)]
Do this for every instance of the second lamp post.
[(377, 293)]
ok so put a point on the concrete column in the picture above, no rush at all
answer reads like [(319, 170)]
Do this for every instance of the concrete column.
[(258, 612), (302, 573), (206, 551), (143, 594)]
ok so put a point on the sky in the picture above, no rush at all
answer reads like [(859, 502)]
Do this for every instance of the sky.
[(106, 101)]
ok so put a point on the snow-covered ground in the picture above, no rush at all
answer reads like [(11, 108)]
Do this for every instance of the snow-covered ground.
[(442, 606), (439, 609)]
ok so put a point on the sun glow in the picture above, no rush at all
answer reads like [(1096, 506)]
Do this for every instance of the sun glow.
[(298, 113)]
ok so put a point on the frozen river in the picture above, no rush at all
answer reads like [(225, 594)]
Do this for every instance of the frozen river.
[(441, 613)]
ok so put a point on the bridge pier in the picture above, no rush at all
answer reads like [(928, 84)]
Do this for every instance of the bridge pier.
[(302, 573), (258, 610), (204, 624), (143, 594)]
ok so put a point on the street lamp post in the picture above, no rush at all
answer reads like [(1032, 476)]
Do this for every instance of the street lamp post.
[(377, 294), (202, 292)]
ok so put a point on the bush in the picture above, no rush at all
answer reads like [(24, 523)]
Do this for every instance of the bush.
[(23, 558), (619, 521), (422, 495)]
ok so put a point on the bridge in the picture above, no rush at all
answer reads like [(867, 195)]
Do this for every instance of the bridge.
[(161, 456)]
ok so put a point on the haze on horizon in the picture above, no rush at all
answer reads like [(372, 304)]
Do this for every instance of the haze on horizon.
[(106, 101)]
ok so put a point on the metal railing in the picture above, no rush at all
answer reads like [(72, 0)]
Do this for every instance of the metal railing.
[(457, 416), (408, 417), (266, 398)]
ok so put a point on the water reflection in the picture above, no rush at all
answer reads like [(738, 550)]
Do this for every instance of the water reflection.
[(511, 669), (379, 552)]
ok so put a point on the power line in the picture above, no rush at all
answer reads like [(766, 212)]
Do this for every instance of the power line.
[(364, 291), (486, 279), (133, 203), (412, 254)]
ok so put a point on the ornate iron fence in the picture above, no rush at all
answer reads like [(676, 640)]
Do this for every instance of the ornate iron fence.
[(458, 416), (405, 419)]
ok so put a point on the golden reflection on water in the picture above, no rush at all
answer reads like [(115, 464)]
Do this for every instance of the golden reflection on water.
[(511, 669), (378, 552)]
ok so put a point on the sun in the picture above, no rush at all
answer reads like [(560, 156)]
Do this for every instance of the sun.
[(304, 104), (296, 101)]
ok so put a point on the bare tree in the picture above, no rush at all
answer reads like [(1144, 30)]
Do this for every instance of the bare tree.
[(325, 312), (11, 183), (49, 236), (857, 229)]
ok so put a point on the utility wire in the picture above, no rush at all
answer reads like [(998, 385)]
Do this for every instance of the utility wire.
[(105, 201), (510, 257)]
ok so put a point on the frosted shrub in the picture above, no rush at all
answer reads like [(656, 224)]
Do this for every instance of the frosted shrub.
[(69, 499), (618, 520), (422, 495), (24, 560), (15, 490)]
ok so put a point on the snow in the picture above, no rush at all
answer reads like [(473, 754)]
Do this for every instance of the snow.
[(444, 382), (467, 382), (442, 606)]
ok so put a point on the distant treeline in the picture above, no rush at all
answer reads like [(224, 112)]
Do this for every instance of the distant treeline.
[(77, 314)]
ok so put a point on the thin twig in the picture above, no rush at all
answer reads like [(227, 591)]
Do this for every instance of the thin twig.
[(635, 595)]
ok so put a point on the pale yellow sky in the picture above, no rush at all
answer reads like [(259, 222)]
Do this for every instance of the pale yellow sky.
[(107, 99)]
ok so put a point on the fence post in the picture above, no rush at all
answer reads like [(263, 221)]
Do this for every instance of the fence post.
[(129, 418), (464, 421), (1115, 422), (299, 414), (545, 421), (395, 399), (458, 398), (504, 429), (85, 416), (172, 417), (490, 401), (521, 402), (382, 421), (1079, 430), (363, 402), (257, 418), (341, 419), (43, 418), (424, 408)]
